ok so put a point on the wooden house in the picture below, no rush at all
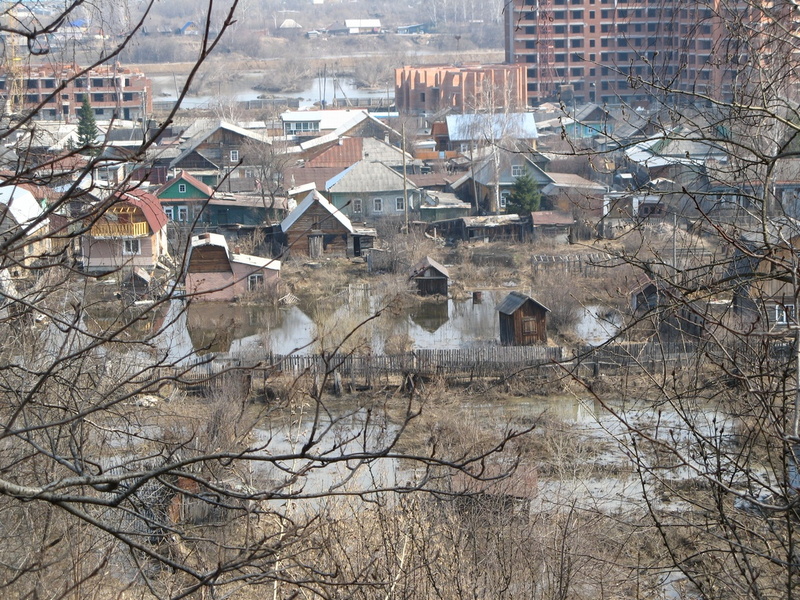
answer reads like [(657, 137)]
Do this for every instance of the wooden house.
[(214, 273), (670, 313), (369, 191), (430, 277), (497, 173), (184, 197), (489, 228), (764, 296), (523, 321), (223, 150), (24, 228), (552, 223), (188, 201), (131, 233), (317, 227)]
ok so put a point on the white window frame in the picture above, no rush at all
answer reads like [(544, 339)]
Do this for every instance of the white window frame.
[(169, 213), (784, 314), (504, 196), (183, 213), (517, 170), (131, 247), (255, 282), (181, 188), (377, 205), (400, 204), (357, 207), (234, 156)]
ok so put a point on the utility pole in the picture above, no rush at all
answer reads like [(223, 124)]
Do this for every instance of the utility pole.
[(405, 178)]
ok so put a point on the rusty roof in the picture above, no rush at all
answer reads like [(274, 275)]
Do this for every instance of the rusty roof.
[(342, 154)]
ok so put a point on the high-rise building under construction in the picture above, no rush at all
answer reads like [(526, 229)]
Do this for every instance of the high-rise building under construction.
[(624, 51)]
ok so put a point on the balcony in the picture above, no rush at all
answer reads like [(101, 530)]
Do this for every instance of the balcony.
[(119, 230)]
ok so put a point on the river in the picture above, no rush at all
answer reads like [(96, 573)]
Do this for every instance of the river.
[(165, 89)]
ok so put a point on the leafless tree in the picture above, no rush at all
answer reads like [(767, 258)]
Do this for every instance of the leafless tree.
[(710, 415), (114, 479)]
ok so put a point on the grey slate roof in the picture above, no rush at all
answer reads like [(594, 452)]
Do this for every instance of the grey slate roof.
[(514, 300), (367, 177)]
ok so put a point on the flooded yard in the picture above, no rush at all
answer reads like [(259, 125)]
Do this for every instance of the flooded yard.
[(428, 324)]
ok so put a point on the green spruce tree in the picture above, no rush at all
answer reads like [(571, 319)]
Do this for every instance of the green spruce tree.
[(524, 196), (87, 126)]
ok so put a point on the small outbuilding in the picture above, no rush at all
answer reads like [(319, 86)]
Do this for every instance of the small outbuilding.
[(523, 321), (215, 273), (431, 277)]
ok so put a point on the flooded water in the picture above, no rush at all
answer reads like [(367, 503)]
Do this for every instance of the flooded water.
[(427, 324), (596, 324), (340, 432), (588, 464)]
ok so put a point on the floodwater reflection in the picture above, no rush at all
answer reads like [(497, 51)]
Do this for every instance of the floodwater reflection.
[(426, 324)]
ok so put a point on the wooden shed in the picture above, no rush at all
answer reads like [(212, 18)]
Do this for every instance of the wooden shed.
[(523, 321), (431, 277)]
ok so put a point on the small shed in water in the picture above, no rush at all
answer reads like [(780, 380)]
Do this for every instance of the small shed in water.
[(431, 277), (523, 321)]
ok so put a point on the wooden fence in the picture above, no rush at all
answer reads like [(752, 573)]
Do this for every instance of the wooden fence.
[(587, 265), (473, 362), (489, 361)]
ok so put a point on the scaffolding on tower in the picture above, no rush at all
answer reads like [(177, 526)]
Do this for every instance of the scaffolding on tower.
[(548, 82), (12, 63)]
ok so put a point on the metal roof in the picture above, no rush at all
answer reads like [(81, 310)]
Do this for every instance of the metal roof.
[(312, 197), (23, 207), (367, 177), (483, 127), (514, 300)]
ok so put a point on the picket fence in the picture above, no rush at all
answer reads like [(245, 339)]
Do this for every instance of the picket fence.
[(490, 361)]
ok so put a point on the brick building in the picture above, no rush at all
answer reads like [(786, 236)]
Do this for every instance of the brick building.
[(430, 89), (114, 92), (601, 50)]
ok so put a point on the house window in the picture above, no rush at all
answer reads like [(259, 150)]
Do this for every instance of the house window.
[(528, 326), (400, 204), (131, 247), (183, 213), (377, 205), (181, 188), (784, 314), (516, 170), (169, 213), (504, 198), (357, 205), (255, 281), (234, 156)]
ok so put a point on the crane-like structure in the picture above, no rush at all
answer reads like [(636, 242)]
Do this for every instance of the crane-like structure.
[(12, 62)]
